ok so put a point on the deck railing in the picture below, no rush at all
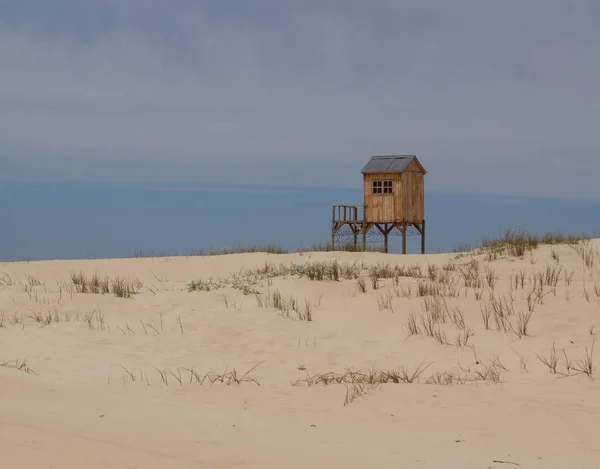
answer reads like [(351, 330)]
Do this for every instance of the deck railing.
[(345, 213)]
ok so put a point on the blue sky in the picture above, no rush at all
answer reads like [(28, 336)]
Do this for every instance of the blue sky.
[(494, 97)]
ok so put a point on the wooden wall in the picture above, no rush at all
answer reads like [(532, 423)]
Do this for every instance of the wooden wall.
[(406, 203), (413, 199), (382, 207)]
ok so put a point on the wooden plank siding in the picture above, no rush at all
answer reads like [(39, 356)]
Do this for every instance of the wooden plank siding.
[(406, 203), (413, 200), (382, 207)]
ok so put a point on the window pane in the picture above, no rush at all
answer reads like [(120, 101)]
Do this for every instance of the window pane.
[(382, 187)]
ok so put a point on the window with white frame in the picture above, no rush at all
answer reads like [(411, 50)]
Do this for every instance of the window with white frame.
[(382, 187)]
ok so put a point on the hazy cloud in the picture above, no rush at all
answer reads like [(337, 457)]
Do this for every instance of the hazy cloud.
[(493, 97)]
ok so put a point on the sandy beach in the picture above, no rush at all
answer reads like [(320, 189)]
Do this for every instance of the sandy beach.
[(443, 361)]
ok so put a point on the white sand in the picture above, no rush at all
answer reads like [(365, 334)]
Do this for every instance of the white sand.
[(81, 408)]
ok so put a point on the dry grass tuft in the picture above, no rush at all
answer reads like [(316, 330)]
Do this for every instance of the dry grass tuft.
[(589, 255), (517, 243), (502, 309), (120, 286), (356, 390), (490, 277), (6, 280), (471, 274), (522, 324), (359, 383), (585, 365), (227, 377), (371, 377), (285, 306), (18, 365), (552, 361)]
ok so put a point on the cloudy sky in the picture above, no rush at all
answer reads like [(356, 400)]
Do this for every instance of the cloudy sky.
[(493, 97)]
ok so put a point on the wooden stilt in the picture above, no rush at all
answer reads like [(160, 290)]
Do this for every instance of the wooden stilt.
[(385, 239), (347, 216), (423, 237), (333, 229), (364, 236)]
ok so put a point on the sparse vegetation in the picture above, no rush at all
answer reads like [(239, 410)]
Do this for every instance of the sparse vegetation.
[(490, 277), (227, 377), (267, 249), (522, 359), (361, 284), (330, 270), (589, 255), (502, 309), (522, 324), (585, 365), (46, 319), (285, 306), (518, 280), (486, 313), (355, 390), (119, 286), (95, 320), (429, 288), (385, 301), (439, 298), (247, 279), (402, 375), (551, 361), (6, 280), (20, 365), (463, 336), (517, 243), (470, 274), (429, 323)]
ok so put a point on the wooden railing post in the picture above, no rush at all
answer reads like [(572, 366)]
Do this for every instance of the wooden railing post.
[(333, 228), (346, 215)]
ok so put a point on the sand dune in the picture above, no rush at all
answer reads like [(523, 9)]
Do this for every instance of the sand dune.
[(224, 379)]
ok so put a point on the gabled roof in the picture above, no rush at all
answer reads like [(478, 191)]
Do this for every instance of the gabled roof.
[(390, 164)]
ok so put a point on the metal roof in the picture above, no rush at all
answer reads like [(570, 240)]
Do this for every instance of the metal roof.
[(388, 164)]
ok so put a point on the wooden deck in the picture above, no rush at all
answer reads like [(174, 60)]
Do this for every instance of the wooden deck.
[(349, 215)]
